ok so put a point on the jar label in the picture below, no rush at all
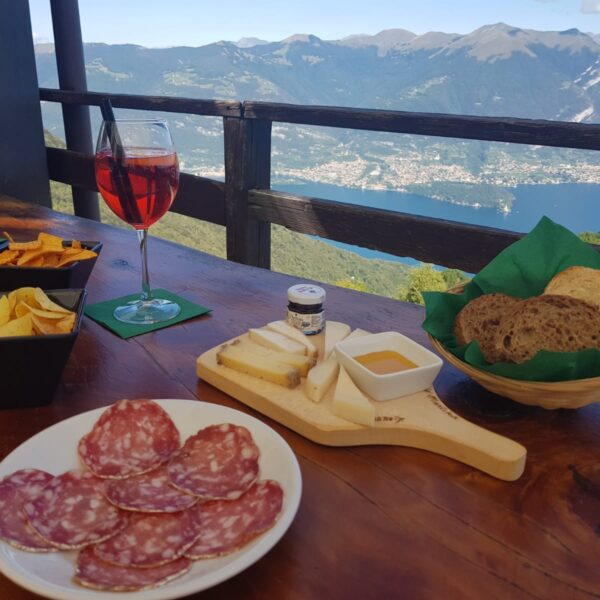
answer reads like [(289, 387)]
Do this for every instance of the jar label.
[(308, 324)]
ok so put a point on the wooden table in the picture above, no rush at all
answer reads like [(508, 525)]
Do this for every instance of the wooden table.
[(374, 522)]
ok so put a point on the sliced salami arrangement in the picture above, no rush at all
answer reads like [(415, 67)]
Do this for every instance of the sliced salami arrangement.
[(143, 507), (130, 438), (228, 525), (220, 461)]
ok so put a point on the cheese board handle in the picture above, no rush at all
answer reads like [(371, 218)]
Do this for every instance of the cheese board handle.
[(431, 425)]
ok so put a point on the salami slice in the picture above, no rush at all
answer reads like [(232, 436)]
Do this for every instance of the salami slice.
[(94, 573), (151, 540), (29, 481), (220, 461), (129, 438), (15, 491), (150, 492), (72, 511), (228, 525)]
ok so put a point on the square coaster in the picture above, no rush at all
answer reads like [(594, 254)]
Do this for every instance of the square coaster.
[(102, 312)]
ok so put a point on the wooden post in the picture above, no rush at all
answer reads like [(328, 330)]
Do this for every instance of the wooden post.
[(70, 63), (247, 166), (23, 171)]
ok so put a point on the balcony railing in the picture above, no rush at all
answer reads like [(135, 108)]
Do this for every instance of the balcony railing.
[(246, 205)]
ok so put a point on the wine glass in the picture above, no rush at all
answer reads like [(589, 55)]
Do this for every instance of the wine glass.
[(137, 173)]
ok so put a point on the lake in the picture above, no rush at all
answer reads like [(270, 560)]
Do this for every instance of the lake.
[(574, 205)]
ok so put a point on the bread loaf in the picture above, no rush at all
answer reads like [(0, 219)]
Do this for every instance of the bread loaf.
[(548, 322), (479, 320), (579, 282)]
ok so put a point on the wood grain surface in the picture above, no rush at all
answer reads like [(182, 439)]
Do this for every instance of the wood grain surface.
[(375, 521)]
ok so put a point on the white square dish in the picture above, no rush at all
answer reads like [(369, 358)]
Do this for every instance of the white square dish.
[(391, 385)]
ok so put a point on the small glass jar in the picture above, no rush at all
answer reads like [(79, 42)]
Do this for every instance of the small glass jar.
[(305, 308)]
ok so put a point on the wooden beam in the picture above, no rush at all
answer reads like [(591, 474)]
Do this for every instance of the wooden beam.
[(216, 108), (495, 129), (247, 165), (447, 243), (68, 47), (23, 171), (197, 197)]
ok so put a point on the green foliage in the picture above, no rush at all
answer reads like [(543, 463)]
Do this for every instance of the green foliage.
[(422, 279), (453, 277), (352, 284), (291, 253), (590, 237)]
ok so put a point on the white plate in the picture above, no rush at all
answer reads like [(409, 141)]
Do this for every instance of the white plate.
[(54, 450)]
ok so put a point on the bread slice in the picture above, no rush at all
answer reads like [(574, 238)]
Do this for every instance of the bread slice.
[(579, 282), (479, 320), (547, 322)]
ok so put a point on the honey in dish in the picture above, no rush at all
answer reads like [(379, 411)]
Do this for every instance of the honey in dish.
[(385, 362)]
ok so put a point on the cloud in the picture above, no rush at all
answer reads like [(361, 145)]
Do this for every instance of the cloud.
[(38, 38), (590, 6)]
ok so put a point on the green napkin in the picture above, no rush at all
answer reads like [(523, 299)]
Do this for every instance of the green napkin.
[(102, 313), (523, 269)]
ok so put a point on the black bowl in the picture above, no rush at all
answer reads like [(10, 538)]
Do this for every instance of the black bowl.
[(74, 275), (31, 366)]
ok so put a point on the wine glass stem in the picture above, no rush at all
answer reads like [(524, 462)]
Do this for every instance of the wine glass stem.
[(143, 239)]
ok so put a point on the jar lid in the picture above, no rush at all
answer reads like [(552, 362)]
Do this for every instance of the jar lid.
[(306, 293)]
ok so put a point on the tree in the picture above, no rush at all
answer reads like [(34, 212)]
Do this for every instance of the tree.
[(590, 237), (453, 277), (422, 279), (352, 284)]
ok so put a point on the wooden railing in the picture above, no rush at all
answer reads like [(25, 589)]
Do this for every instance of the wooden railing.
[(247, 206)]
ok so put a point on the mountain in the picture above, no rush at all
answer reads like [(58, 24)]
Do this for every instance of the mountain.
[(249, 42), (496, 70)]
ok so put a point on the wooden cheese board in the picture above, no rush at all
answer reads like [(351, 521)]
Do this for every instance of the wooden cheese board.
[(420, 420)]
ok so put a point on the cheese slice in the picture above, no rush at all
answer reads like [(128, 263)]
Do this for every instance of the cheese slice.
[(334, 332), (358, 333), (321, 377), (276, 341), (240, 359), (302, 362), (286, 329), (350, 403)]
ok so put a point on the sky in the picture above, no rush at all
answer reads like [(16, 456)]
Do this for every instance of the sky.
[(160, 23)]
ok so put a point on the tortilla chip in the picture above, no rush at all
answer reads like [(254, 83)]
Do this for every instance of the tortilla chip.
[(51, 260), (52, 241), (34, 245), (81, 255), (8, 257)]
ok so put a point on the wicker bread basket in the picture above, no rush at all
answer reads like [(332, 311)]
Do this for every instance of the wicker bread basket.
[(552, 395)]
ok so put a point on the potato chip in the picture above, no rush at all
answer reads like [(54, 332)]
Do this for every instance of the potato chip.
[(22, 309), (24, 294), (46, 314), (45, 303), (4, 310), (66, 324), (17, 327), (76, 245)]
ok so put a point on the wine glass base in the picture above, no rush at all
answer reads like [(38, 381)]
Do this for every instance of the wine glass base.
[(147, 312)]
